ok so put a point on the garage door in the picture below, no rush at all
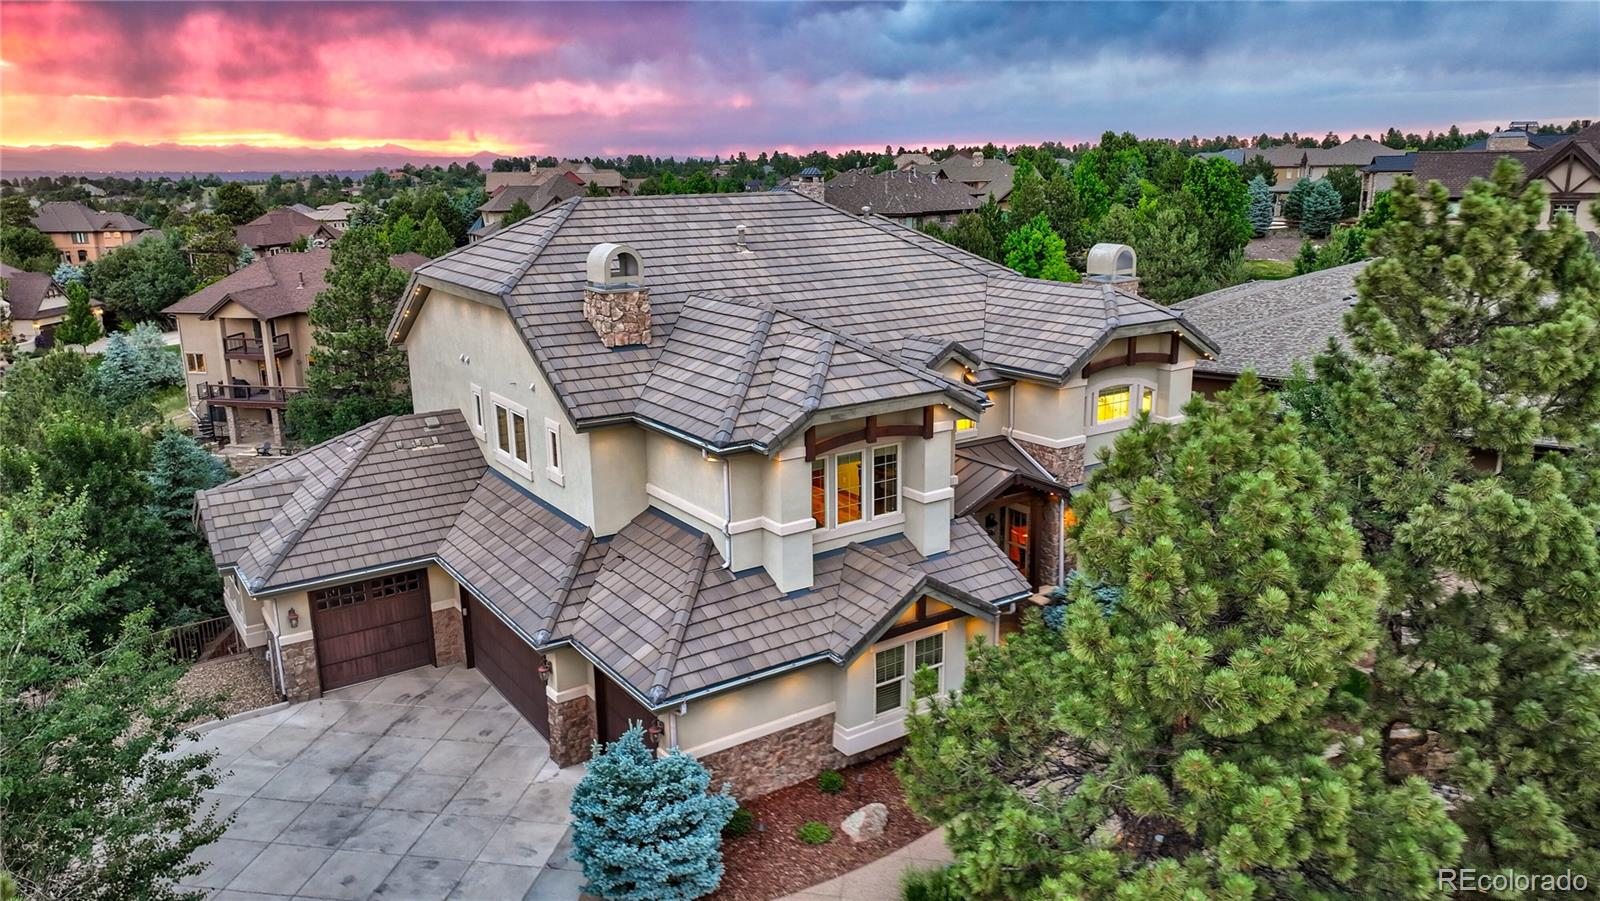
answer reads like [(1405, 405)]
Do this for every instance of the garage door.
[(618, 710), (373, 628), (509, 663)]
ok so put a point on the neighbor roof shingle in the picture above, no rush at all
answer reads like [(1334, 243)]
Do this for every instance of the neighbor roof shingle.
[(898, 194), (276, 285), (70, 216), (1268, 326)]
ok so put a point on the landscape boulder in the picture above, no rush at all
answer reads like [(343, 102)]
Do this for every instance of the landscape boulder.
[(866, 823)]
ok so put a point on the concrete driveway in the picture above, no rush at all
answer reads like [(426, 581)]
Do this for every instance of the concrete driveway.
[(422, 785)]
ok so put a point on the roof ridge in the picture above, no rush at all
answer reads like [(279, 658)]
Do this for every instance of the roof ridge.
[(299, 530), (683, 611), (564, 209), (580, 552), (747, 371)]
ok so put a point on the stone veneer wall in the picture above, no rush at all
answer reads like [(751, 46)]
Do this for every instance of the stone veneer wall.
[(449, 642), (620, 318), (1066, 464), (300, 679), (784, 758), (572, 730)]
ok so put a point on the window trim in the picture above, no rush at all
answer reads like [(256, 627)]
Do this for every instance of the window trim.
[(1135, 404), (478, 422), (869, 455), (909, 642), (189, 361), (509, 454), (552, 451)]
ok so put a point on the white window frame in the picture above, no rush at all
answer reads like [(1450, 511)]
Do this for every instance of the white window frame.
[(509, 457), (869, 453), (908, 644), (1137, 389), (553, 453), (1570, 207), (477, 417)]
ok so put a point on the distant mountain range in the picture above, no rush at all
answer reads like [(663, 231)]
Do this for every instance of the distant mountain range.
[(236, 160)]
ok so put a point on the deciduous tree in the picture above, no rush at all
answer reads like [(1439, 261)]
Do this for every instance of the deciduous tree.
[(432, 239), (138, 281), (237, 203), (518, 212), (1035, 250)]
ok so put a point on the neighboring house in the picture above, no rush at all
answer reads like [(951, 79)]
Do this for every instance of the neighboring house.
[(905, 161), (276, 231), (1570, 170), (982, 177), (1290, 164), (692, 461), (539, 198), (334, 215), (84, 234), (36, 305), (246, 338), (1379, 175), (1270, 325), (906, 197), (584, 173)]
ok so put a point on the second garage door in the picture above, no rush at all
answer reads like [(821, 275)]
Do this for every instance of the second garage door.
[(374, 628), (509, 663)]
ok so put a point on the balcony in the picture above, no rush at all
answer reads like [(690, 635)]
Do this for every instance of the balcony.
[(250, 396), (240, 346)]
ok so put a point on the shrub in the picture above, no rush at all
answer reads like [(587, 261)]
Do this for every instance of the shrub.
[(831, 782), (814, 833), (740, 823), (928, 885), (1297, 196), (645, 827)]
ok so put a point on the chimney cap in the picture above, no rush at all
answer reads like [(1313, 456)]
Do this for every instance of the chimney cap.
[(614, 266), (1113, 260)]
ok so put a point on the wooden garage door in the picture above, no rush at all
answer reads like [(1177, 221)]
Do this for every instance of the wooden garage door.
[(373, 628), (509, 663), (618, 710)]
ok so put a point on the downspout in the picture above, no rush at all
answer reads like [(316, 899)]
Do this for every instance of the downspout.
[(727, 517)]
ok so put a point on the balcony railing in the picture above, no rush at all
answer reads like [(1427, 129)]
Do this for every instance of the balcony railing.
[(275, 397), (242, 346)]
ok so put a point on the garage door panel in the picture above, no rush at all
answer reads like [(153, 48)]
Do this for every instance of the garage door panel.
[(369, 629), (510, 664)]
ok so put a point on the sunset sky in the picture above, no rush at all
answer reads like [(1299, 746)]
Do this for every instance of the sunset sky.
[(575, 79)]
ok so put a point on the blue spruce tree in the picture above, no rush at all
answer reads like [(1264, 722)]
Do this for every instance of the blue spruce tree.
[(1260, 205), (645, 828)]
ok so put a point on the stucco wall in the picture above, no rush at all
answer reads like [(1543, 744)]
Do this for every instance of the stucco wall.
[(201, 336), (744, 714)]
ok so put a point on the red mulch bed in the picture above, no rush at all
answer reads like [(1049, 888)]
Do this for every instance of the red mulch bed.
[(774, 863)]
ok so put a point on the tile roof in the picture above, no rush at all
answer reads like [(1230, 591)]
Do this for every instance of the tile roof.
[(280, 228), (1350, 153), (70, 216), (537, 196), (655, 603), (898, 194), (1268, 325), (1455, 169), (869, 281), (26, 292), (1537, 141), (982, 177), (991, 467), (277, 285)]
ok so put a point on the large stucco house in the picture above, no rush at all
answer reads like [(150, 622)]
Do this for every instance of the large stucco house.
[(734, 466), (83, 234)]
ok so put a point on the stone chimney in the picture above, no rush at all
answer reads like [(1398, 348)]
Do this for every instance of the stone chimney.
[(1115, 265), (977, 157), (809, 183), (615, 299), (1508, 142)]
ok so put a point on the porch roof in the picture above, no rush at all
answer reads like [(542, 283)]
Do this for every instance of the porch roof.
[(989, 468)]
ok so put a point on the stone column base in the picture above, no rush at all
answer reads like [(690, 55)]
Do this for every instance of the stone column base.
[(784, 758), (449, 641), (301, 681), (572, 730)]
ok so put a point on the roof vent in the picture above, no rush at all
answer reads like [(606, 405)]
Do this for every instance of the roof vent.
[(738, 238), (977, 157), (302, 279), (1115, 265), (866, 210), (431, 423), (615, 299)]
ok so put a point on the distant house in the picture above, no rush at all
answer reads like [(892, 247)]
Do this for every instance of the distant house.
[(539, 198), (93, 190), (907, 197), (583, 172), (36, 305), (906, 161), (982, 177), (275, 231), (1379, 175), (1569, 168), (246, 339), (334, 215), (84, 234), (1290, 164)]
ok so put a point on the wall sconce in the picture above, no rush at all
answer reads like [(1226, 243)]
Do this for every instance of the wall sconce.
[(653, 732), (544, 672), (294, 618)]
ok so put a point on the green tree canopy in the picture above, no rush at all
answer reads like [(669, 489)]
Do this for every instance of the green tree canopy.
[(79, 325), (1347, 181), (1475, 339), (237, 203), (1035, 250), (357, 375), (140, 280), (1260, 206), (22, 245), (1172, 260), (432, 239), (212, 247), (1221, 211), (1320, 209), (1188, 691), (1295, 197), (518, 212), (402, 234)]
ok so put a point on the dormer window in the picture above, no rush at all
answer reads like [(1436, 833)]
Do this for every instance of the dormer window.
[(856, 487)]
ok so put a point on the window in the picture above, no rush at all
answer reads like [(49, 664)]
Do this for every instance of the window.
[(511, 431), (80, 238), (83, 256), (847, 488), (552, 451), (929, 652), (819, 491), (965, 425), (195, 362), (477, 410), (1119, 402), (1570, 207), (890, 672), (885, 481)]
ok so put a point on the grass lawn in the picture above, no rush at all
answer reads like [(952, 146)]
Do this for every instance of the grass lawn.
[(1267, 269)]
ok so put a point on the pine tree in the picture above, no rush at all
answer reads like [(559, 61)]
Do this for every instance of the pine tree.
[(1260, 206), (357, 375), (433, 240), (1474, 343), (1172, 260), (99, 799), (402, 234), (79, 326), (1295, 197), (1035, 250), (1199, 706), (136, 363), (179, 467), (645, 828), (1320, 209)]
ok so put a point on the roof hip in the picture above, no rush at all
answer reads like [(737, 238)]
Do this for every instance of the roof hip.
[(683, 611)]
